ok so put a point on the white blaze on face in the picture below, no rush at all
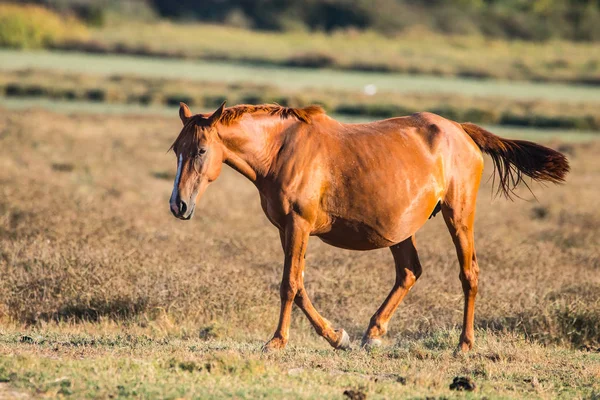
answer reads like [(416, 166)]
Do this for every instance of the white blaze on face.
[(177, 177)]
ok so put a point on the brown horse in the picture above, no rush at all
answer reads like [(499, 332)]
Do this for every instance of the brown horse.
[(355, 186)]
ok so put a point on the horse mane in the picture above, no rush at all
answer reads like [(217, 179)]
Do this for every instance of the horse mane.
[(232, 114), (305, 114)]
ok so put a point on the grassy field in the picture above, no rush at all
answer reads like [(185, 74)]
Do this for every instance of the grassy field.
[(133, 364), (108, 109), (207, 95), (414, 52), (104, 294), (113, 80), (290, 78)]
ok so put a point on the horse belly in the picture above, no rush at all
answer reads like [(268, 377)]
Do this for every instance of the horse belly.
[(354, 235), (372, 225)]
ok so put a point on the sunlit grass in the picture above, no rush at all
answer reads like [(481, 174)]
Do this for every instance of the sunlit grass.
[(32, 26), (86, 362), (416, 51)]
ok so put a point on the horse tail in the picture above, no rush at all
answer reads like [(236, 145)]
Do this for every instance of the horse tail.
[(515, 159)]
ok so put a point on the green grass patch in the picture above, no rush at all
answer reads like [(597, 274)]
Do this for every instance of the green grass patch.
[(78, 365), (32, 26)]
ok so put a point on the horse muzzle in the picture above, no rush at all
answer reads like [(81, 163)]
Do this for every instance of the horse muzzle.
[(182, 210)]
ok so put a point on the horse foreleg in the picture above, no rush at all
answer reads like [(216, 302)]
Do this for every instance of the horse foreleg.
[(338, 339), (408, 270), (294, 239)]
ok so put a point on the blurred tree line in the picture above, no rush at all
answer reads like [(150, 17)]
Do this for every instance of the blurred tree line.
[(512, 19)]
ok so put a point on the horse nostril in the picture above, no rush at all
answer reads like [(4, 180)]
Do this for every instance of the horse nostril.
[(182, 208)]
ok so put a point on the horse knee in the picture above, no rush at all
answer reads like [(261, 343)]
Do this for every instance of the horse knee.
[(288, 289), (301, 297), (470, 281)]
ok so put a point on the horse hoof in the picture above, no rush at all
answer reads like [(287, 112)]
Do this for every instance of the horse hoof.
[(370, 343), (344, 343), (464, 347), (274, 345), (465, 344)]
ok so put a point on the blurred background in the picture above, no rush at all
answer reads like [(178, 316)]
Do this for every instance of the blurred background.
[(515, 63)]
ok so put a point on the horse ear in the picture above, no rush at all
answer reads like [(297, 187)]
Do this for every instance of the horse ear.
[(184, 112), (216, 116)]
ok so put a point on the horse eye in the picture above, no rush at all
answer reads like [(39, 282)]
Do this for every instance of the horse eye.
[(201, 151)]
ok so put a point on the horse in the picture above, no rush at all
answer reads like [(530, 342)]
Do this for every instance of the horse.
[(359, 186)]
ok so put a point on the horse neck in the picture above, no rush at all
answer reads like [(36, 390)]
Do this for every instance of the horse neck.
[(252, 144)]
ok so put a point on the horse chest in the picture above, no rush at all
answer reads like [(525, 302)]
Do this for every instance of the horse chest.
[(274, 212)]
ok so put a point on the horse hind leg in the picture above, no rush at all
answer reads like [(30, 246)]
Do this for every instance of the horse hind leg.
[(459, 214), (408, 270)]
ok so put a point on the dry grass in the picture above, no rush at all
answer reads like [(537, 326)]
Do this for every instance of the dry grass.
[(116, 297)]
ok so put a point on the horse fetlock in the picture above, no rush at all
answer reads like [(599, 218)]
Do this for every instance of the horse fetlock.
[(376, 328)]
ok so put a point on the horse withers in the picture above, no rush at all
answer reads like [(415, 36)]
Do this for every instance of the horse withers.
[(355, 186)]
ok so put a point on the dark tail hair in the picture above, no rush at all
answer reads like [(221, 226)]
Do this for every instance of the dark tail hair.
[(514, 159)]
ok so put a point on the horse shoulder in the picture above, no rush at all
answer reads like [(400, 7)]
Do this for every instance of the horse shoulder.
[(296, 176)]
